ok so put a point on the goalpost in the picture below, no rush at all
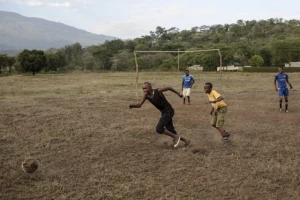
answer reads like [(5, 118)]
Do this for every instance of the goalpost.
[(178, 52)]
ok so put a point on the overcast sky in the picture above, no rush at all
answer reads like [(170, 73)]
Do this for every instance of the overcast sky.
[(134, 18)]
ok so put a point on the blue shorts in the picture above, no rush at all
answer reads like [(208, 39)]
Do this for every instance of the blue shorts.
[(283, 92)]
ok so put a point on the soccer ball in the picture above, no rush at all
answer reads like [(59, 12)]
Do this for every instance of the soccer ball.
[(30, 165)]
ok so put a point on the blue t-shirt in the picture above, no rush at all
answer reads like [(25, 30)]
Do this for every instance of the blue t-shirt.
[(187, 81), (281, 80)]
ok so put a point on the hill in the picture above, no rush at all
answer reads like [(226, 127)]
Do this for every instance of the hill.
[(18, 32)]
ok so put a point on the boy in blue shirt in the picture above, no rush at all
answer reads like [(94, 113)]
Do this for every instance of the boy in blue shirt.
[(281, 78), (187, 83)]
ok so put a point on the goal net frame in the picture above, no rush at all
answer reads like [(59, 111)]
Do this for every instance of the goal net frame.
[(178, 52)]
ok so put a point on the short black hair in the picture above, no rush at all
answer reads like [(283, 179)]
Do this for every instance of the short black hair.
[(186, 70), (210, 85), (147, 83)]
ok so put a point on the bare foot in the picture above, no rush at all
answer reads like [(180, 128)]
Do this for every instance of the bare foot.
[(187, 143)]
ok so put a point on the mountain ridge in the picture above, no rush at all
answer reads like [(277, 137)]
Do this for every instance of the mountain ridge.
[(18, 32)]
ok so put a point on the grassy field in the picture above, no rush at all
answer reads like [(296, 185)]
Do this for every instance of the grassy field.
[(91, 146)]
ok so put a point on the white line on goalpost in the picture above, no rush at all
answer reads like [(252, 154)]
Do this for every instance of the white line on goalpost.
[(137, 66)]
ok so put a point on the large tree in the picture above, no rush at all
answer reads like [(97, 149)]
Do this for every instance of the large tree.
[(32, 61), (3, 61), (55, 61), (285, 51), (103, 57)]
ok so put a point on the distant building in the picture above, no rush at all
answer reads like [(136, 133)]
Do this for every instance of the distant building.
[(230, 68), (195, 67), (292, 64)]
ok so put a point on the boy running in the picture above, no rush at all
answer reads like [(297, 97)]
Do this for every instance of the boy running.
[(219, 110), (165, 124)]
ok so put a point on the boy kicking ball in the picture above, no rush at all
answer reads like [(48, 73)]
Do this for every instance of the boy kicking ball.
[(165, 123), (219, 110)]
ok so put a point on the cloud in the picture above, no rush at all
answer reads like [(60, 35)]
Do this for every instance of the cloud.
[(35, 3), (139, 5), (143, 19), (124, 29), (84, 1), (134, 12), (64, 4), (292, 17), (172, 9)]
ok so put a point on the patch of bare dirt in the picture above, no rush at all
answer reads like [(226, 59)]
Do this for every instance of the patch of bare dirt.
[(91, 146)]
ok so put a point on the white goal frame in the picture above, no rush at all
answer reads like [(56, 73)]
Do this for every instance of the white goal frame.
[(178, 52)]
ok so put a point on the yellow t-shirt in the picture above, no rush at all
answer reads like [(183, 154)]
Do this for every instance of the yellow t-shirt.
[(213, 96)]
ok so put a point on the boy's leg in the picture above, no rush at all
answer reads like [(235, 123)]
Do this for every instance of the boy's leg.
[(223, 132), (170, 127), (186, 141), (184, 94), (188, 94), (220, 119), (214, 121), (160, 128), (286, 94), (286, 104), (176, 137), (280, 94), (280, 104)]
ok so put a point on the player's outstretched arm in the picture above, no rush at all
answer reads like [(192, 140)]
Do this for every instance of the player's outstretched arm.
[(287, 80), (171, 89), (139, 104)]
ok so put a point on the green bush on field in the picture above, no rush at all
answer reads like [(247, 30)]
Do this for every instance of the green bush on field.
[(270, 69)]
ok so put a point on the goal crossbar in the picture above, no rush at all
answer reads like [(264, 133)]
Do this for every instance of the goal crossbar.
[(178, 51)]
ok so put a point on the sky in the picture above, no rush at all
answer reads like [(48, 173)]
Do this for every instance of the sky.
[(128, 19)]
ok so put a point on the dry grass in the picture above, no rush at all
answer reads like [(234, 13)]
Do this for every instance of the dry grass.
[(91, 146)]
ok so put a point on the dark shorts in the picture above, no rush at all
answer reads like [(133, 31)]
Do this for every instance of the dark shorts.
[(166, 122)]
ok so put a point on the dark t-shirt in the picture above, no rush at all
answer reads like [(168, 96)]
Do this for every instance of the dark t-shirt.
[(160, 102)]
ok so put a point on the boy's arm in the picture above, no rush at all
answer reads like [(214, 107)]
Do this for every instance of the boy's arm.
[(193, 81), (220, 98), (287, 80), (212, 111), (171, 89), (139, 104), (276, 88)]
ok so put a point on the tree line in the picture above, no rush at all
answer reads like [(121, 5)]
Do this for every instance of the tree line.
[(271, 42)]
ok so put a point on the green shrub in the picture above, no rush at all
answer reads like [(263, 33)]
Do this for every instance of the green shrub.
[(270, 69)]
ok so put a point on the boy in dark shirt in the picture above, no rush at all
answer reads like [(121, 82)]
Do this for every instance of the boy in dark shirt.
[(165, 124)]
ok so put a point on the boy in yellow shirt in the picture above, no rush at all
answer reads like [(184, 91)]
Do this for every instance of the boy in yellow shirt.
[(219, 110)]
